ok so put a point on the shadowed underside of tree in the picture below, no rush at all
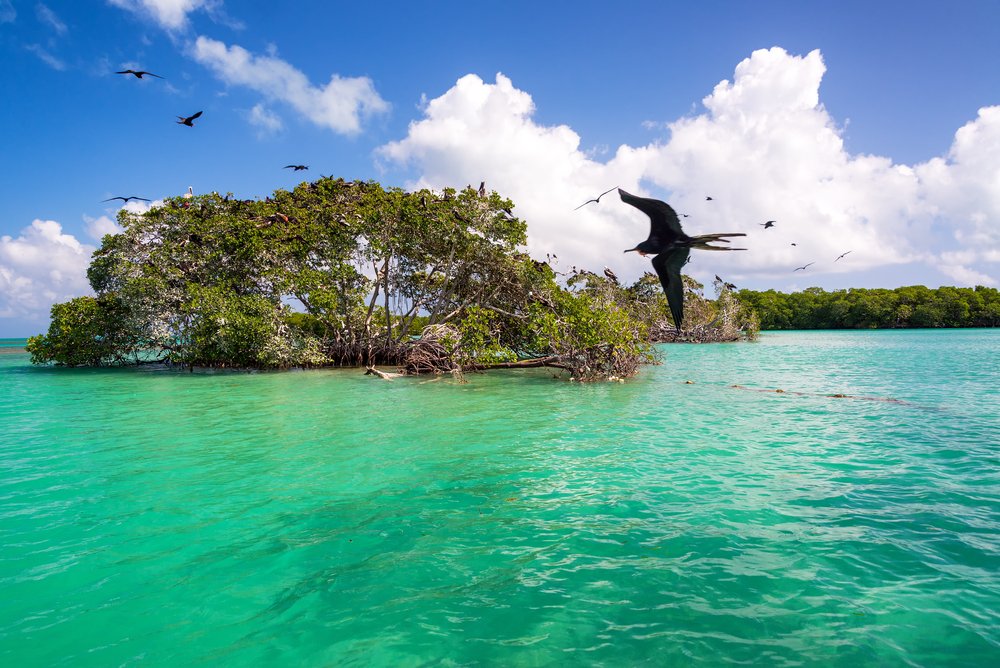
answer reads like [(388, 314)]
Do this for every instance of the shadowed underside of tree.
[(348, 273)]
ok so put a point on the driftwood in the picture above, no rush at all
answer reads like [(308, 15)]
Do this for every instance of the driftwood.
[(372, 371)]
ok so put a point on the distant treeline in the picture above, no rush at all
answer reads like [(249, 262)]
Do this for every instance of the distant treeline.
[(860, 308)]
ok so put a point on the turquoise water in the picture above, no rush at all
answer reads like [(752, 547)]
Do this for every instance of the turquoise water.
[(152, 517)]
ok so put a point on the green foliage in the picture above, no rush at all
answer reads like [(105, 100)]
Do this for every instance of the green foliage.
[(209, 280), (859, 308)]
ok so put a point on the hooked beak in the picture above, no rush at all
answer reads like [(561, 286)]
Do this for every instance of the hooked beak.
[(631, 249)]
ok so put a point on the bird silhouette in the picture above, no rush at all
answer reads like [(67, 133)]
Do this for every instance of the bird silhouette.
[(842, 255), (610, 274), (708, 199), (139, 74), (125, 200), (803, 267), (794, 244), (189, 120), (297, 168), (482, 188), (596, 200), (768, 224), (671, 247)]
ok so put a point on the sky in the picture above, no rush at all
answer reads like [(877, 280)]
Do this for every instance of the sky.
[(870, 127)]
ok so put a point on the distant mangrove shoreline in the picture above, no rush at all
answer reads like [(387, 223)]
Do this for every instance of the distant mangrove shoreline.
[(907, 307)]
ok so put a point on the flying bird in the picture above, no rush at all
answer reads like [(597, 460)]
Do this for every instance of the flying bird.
[(140, 73), (125, 200), (802, 267), (768, 224), (297, 168), (671, 247), (596, 200), (188, 121), (842, 255), (794, 244), (708, 199)]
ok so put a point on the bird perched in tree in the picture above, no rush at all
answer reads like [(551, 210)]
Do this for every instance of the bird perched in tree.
[(188, 120), (768, 224), (803, 267), (842, 255), (671, 247), (482, 188), (610, 274), (125, 200), (596, 200), (297, 168), (140, 74)]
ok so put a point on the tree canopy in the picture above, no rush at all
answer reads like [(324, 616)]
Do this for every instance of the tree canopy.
[(336, 272), (860, 308)]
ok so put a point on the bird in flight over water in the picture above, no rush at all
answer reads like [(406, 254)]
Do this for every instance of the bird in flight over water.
[(842, 255), (297, 168), (189, 120), (802, 267), (596, 200), (140, 73), (671, 247), (768, 224), (125, 200)]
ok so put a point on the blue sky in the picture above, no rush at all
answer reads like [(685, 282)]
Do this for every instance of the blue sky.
[(865, 126)]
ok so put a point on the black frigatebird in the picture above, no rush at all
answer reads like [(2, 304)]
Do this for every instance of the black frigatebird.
[(125, 200), (802, 267), (297, 168), (671, 247), (842, 255), (768, 224), (139, 74), (610, 274), (188, 120), (596, 200)]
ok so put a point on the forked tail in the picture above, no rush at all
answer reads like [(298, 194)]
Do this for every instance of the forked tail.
[(702, 242)]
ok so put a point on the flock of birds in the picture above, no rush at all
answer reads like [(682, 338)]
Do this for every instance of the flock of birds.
[(670, 246), (181, 120)]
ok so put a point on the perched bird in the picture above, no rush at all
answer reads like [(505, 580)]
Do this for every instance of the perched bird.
[(596, 200), (140, 73), (482, 188), (190, 193), (768, 224), (803, 267), (730, 286), (610, 274), (189, 120), (125, 200), (297, 168), (842, 255), (671, 247)]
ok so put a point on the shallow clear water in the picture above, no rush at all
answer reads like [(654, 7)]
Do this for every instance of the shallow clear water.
[(327, 518)]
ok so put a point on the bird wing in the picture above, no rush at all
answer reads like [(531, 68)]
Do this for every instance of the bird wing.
[(191, 118), (663, 221), (668, 268)]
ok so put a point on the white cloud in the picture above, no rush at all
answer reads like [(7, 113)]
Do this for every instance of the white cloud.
[(7, 12), (169, 14), (341, 105), (265, 120), (98, 227), (46, 15), (40, 267), (46, 57), (763, 147)]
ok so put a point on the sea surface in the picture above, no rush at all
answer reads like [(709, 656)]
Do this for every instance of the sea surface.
[(318, 518)]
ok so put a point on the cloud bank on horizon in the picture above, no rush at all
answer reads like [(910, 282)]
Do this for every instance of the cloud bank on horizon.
[(764, 148)]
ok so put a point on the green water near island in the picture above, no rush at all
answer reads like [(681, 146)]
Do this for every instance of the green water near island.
[(156, 517)]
